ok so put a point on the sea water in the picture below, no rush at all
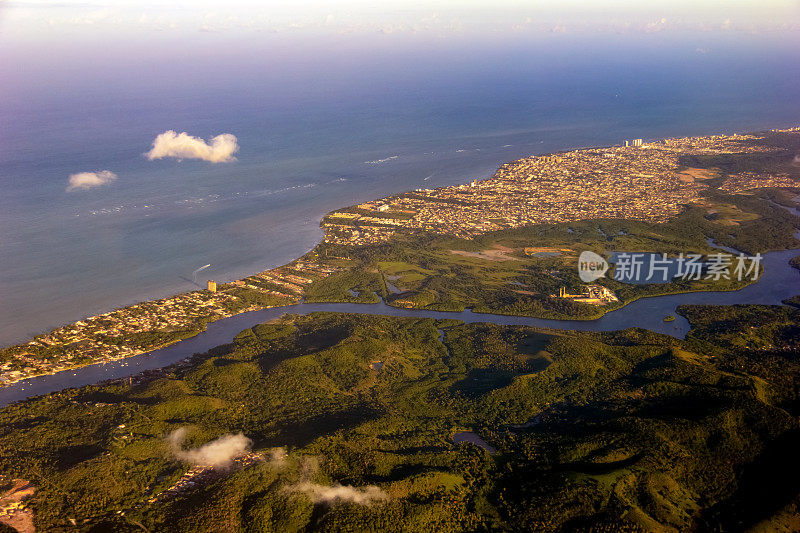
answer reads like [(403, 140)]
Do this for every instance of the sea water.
[(319, 127)]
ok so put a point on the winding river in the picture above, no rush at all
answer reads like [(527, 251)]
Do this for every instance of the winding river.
[(779, 281)]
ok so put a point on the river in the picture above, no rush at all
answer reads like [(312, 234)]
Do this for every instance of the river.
[(778, 282)]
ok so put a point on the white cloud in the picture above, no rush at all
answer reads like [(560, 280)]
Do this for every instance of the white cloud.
[(217, 453), (220, 149), (277, 458), (88, 180), (331, 494), (341, 493)]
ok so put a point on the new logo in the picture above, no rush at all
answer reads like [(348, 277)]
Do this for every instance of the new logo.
[(591, 266)]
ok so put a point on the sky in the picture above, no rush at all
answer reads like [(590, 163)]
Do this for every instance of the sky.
[(42, 20), (100, 48)]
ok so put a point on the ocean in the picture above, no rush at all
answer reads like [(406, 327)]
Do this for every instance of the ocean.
[(319, 127)]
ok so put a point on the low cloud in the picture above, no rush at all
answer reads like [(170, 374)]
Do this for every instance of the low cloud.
[(219, 149), (277, 458), (337, 493), (218, 453), (89, 180)]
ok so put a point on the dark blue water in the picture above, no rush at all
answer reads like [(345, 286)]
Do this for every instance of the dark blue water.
[(308, 119)]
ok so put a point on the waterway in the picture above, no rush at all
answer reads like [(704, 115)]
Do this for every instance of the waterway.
[(778, 282)]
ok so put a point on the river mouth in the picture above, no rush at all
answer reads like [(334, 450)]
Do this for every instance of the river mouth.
[(778, 282)]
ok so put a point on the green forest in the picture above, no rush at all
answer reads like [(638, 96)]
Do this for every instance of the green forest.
[(622, 431)]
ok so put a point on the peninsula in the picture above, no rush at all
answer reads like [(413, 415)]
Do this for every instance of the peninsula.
[(507, 244)]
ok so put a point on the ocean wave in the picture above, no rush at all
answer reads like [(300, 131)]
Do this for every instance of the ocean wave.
[(197, 201), (379, 161)]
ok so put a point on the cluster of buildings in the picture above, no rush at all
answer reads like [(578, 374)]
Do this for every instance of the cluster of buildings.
[(736, 144), (720, 144), (108, 337), (15, 510), (745, 181), (368, 223), (123, 332), (201, 475), (639, 182), (592, 294), (10, 509)]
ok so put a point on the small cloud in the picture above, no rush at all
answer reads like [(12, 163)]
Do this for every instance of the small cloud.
[(218, 453), (331, 494), (89, 180), (701, 51), (220, 149), (337, 493), (277, 458)]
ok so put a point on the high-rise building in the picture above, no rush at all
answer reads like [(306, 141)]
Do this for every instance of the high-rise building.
[(211, 286)]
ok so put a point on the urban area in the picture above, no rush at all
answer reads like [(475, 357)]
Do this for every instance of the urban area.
[(635, 180)]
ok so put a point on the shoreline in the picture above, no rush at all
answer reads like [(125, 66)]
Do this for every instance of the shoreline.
[(466, 309), (322, 239), (213, 318), (636, 314)]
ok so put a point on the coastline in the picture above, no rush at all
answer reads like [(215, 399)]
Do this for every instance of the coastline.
[(273, 282), (469, 309)]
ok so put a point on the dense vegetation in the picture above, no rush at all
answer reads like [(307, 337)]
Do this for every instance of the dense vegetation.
[(618, 431), (622, 431), (425, 272)]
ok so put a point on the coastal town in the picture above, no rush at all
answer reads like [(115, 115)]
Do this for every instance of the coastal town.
[(643, 181), (636, 181), (146, 326)]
